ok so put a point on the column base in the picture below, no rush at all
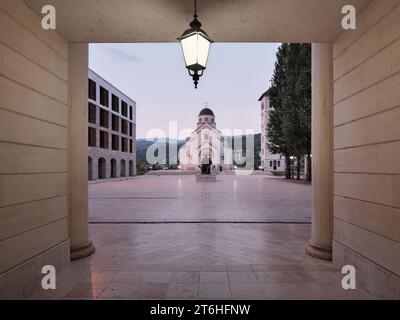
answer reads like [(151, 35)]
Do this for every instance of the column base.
[(320, 252), (82, 251)]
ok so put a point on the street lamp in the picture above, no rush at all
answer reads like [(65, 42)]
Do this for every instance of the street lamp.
[(195, 46)]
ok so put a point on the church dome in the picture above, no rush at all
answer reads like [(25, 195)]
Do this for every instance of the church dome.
[(206, 112)]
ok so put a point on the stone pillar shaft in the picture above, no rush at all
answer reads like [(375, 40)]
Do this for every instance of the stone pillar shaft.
[(77, 151), (320, 245)]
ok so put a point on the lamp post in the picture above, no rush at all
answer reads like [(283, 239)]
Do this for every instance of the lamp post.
[(195, 46)]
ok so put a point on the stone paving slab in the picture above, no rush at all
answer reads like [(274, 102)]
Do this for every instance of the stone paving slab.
[(198, 261), (255, 198)]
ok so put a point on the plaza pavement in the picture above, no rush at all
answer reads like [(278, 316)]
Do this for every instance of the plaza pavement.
[(253, 198), (148, 248)]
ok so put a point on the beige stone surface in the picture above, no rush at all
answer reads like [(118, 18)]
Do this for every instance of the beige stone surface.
[(20, 188), (26, 130), (17, 159), (375, 158), (322, 152), (369, 101), (385, 251), (18, 249), (29, 20), (192, 261), (27, 73), (78, 151), (33, 148), (21, 218), (14, 97), (43, 55), (160, 21), (378, 128), (378, 188), (376, 11), (369, 216), (366, 135)]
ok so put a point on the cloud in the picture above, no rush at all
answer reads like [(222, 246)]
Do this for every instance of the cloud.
[(120, 54)]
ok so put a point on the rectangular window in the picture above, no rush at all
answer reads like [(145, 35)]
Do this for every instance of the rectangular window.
[(124, 144), (130, 129), (124, 108), (124, 126), (270, 164), (115, 122), (104, 118), (130, 112), (103, 139), (92, 137), (92, 113), (131, 146), (115, 103), (92, 90), (104, 97), (115, 142), (279, 163)]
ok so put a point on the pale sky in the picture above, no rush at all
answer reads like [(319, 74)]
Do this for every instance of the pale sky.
[(155, 77)]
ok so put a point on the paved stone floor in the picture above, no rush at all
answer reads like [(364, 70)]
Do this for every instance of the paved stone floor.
[(199, 260), (254, 198)]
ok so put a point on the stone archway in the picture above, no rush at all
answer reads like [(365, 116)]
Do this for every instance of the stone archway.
[(113, 163), (90, 168), (131, 171), (102, 168), (123, 168)]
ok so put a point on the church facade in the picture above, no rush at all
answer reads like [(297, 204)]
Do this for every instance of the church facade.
[(205, 143)]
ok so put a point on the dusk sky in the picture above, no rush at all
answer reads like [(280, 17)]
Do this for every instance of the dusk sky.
[(155, 77)]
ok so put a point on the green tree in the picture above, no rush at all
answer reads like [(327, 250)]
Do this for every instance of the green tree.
[(276, 142), (289, 128)]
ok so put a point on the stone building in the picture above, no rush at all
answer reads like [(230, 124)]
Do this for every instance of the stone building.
[(355, 125), (111, 131), (269, 162), (206, 142)]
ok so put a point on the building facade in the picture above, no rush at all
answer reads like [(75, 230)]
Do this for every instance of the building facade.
[(206, 142), (111, 131), (269, 162), (356, 132)]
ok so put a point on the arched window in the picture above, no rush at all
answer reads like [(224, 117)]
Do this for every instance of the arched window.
[(90, 168), (123, 168), (131, 173), (102, 168), (113, 168)]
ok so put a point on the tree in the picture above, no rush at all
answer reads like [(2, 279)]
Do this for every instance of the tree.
[(276, 141), (289, 128)]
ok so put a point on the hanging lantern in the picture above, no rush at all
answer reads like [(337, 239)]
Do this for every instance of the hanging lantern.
[(195, 46)]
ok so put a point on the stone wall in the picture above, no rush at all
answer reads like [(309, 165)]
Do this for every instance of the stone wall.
[(33, 148), (367, 148)]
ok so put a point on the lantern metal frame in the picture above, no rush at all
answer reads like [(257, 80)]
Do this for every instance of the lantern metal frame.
[(195, 70)]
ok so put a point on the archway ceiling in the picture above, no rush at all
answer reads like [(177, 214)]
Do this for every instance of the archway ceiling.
[(224, 20)]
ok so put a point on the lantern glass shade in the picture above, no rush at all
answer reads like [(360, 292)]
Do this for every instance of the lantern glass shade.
[(196, 47)]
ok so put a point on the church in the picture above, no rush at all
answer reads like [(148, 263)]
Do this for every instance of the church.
[(205, 143)]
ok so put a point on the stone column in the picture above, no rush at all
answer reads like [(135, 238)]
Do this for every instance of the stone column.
[(320, 245), (77, 151)]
